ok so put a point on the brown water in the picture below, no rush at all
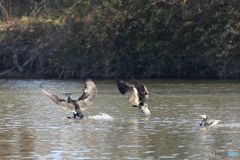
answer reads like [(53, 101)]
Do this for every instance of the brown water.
[(33, 127)]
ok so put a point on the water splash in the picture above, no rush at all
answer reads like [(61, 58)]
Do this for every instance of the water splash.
[(101, 116)]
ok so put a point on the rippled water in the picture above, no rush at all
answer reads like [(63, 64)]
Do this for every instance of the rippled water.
[(33, 127)]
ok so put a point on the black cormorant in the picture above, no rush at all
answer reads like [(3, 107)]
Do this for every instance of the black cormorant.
[(76, 106), (136, 94), (208, 123)]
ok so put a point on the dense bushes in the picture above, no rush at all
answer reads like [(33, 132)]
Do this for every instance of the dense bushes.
[(166, 39)]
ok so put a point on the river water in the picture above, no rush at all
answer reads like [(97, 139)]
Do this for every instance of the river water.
[(34, 127)]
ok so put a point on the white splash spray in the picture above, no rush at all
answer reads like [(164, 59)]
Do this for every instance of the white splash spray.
[(101, 116)]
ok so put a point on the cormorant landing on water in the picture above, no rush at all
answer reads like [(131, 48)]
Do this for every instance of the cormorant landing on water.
[(136, 94), (76, 106), (208, 123)]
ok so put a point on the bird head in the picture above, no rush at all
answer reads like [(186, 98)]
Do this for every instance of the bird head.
[(67, 94)]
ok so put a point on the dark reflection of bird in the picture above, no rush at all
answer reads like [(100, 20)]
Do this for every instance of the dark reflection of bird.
[(136, 94), (208, 123), (76, 106)]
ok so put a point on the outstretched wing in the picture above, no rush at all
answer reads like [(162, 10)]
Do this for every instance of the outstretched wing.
[(132, 96), (142, 89), (213, 122), (122, 86), (60, 102), (89, 94), (129, 91)]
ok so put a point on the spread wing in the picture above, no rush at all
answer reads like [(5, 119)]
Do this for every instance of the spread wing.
[(142, 89), (60, 102), (129, 91), (132, 95), (122, 86), (89, 94), (213, 122)]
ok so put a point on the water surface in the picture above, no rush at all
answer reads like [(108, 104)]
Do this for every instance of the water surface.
[(33, 127)]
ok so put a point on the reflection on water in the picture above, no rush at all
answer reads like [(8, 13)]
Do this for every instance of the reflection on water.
[(33, 127)]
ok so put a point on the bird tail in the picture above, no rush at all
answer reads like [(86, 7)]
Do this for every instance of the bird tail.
[(144, 109), (79, 113)]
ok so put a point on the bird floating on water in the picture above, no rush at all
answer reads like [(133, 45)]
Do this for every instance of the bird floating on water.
[(76, 106), (136, 94), (208, 123)]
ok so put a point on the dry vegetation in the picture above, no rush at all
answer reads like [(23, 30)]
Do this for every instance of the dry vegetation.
[(76, 38)]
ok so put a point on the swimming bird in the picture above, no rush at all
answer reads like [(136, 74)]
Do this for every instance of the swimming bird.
[(76, 106), (208, 123), (136, 94)]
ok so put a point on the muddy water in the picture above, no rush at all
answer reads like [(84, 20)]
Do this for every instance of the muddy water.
[(33, 127)]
